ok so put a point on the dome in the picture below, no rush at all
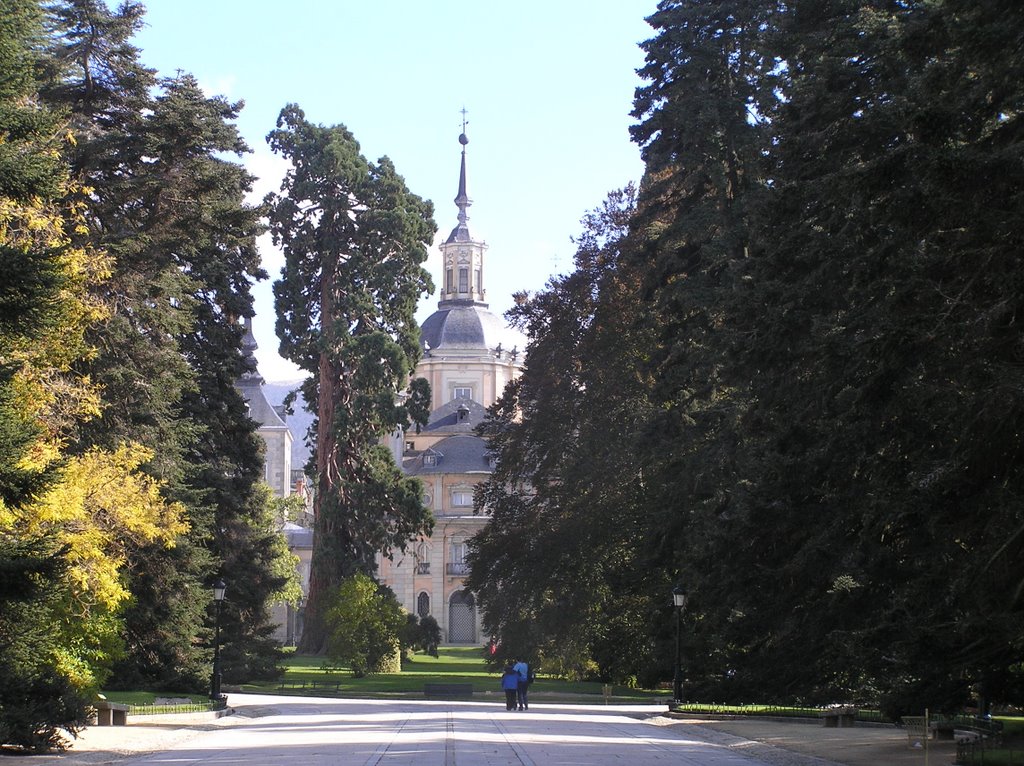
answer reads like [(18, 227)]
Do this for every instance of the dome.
[(468, 327)]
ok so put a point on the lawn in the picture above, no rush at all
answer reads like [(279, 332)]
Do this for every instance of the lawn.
[(307, 675)]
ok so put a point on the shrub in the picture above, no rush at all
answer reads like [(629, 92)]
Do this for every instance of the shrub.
[(363, 623)]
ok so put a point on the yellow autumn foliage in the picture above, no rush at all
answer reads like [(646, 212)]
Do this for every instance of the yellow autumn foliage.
[(103, 507), (45, 386)]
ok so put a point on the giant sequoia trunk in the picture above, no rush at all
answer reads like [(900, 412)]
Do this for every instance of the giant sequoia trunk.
[(324, 573)]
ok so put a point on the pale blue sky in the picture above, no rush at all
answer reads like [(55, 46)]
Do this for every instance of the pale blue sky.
[(548, 87)]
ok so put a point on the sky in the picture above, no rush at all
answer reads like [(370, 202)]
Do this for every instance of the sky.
[(547, 86)]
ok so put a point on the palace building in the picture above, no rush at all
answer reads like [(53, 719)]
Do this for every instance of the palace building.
[(468, 356)]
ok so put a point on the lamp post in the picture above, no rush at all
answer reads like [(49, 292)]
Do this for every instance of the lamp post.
[(679, 601), (218, 596)]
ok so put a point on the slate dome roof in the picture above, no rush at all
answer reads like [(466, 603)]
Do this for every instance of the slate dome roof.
[(468, 326)]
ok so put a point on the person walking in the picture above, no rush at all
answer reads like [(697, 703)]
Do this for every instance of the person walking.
[(523, 670), (510, 685)]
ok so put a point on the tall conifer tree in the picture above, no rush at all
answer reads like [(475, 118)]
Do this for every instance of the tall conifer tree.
[(354, 239)]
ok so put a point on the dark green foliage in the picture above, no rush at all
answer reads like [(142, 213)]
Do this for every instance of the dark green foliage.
[(30, 174), (891, 271), (420, 635), (554, 518), (354, 239), (429, 635), (36, 701), (825, 424), (364, 622), (24, 172)]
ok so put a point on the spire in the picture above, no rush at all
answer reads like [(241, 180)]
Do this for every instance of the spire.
[(249, 347), (463, 255), (461, 232)]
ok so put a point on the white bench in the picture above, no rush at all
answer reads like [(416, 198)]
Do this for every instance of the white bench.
[(917, 731)]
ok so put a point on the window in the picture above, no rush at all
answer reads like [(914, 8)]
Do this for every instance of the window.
[(462, 498), (463, 280), (457, 563), (458, 549), (479, 281), (449, 281), (462, 393), (430, 459), (423, 604)]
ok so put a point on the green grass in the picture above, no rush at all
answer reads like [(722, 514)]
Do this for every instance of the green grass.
[(1013, 727), (147, 698), (453, 665)]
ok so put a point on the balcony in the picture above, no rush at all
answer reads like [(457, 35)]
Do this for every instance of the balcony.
[(423, 568), (459, 568)]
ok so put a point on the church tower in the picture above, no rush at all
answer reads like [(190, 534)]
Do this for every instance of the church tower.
[(272, 428), (469, 355), (463, 256), (468, 352)]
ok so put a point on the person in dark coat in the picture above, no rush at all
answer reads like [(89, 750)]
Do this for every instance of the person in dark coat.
[(510, 685)]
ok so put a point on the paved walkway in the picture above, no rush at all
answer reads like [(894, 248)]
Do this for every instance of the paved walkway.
[(277, 730)]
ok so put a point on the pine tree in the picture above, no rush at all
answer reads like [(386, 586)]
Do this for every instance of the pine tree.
[(890, 271), (42, 317)]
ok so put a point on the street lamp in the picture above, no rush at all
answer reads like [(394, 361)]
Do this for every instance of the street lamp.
[(218, 596), (679, 601)]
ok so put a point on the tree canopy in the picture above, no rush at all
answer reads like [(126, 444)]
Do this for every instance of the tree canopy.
[(130, 472), (816, 307)]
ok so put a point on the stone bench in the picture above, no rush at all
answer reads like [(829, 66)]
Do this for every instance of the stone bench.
[(448, 690), (838, 717), (110, 713)]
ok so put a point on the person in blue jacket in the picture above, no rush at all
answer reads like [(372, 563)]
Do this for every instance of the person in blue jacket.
[(524, 684), (510, 685)]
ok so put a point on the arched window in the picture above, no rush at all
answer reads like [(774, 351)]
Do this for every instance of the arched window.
[(423, 604), (422, 559)]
